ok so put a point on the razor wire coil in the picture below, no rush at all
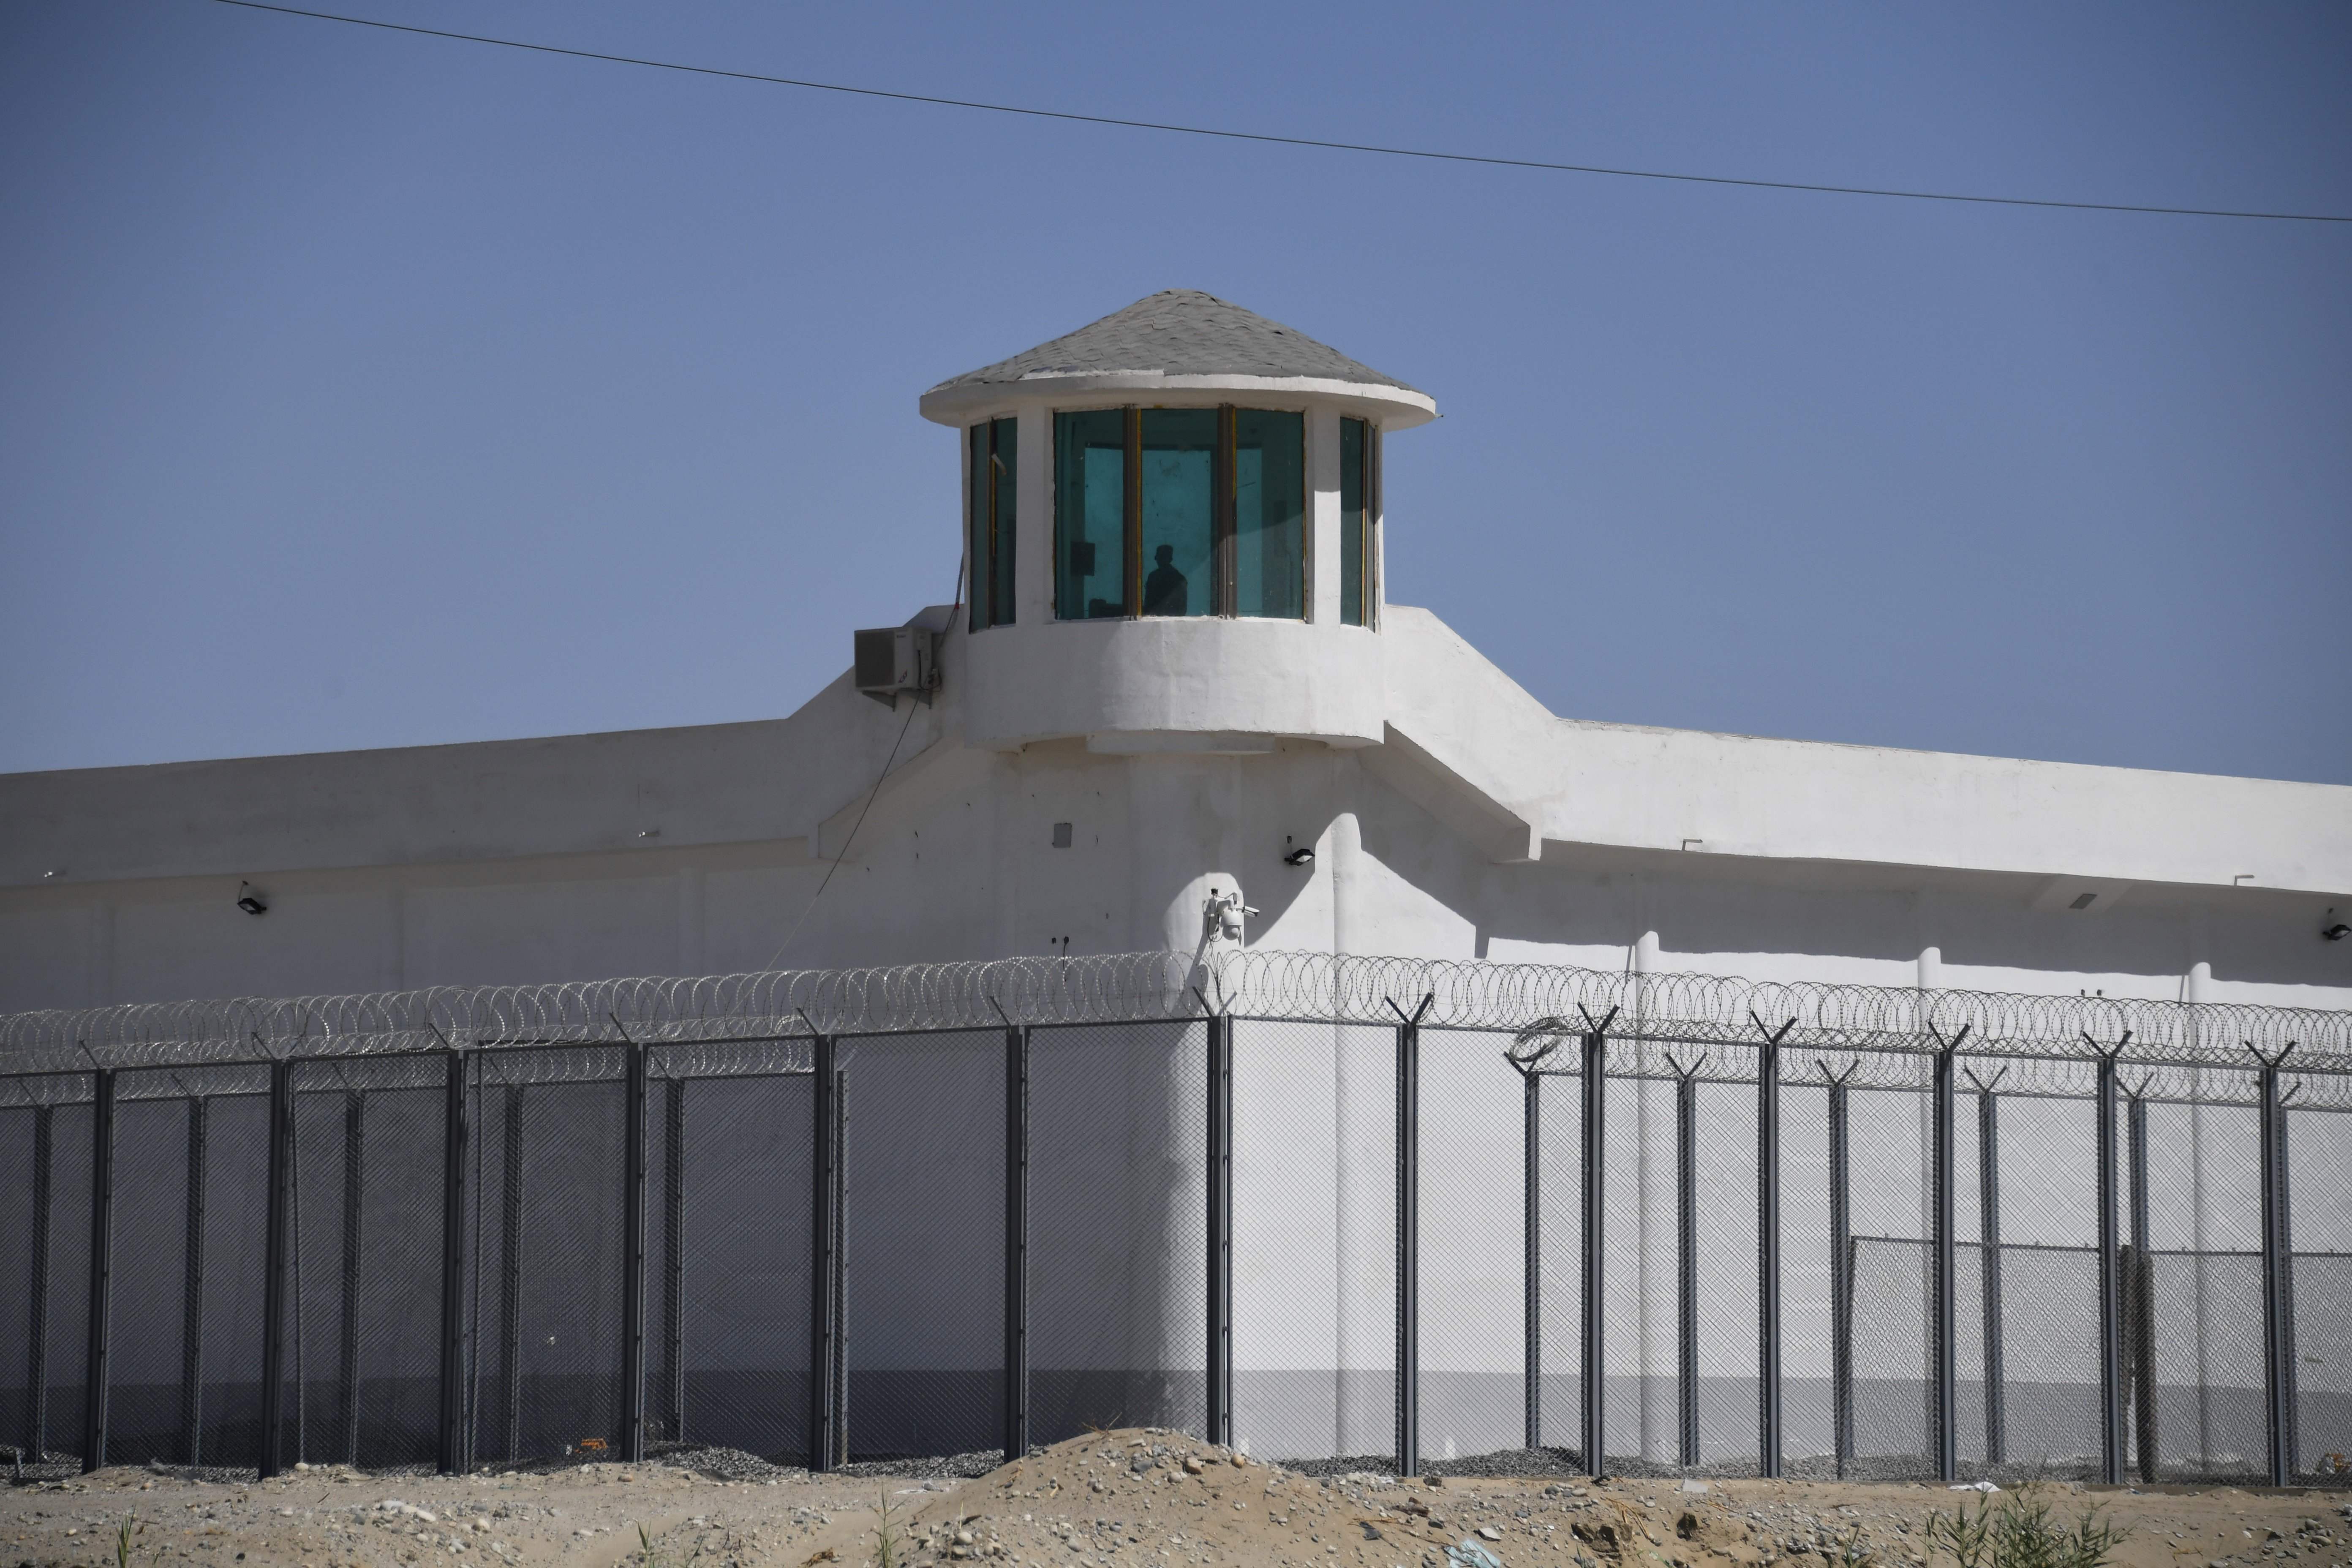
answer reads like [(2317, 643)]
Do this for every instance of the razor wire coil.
[(1887, 1035)]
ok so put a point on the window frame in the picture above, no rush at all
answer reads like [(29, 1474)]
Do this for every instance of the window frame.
[(1224, 559)]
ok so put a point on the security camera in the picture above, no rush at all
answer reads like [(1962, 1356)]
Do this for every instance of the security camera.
[(1224, 912), (250, 901)]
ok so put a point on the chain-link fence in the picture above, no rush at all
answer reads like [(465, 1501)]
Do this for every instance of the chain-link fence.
[(1909, 1235)]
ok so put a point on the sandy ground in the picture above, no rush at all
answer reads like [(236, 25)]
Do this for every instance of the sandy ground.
[(1117, 1498)]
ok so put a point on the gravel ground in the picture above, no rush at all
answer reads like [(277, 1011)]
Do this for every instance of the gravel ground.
[(1150, 1499), (956, 1467)]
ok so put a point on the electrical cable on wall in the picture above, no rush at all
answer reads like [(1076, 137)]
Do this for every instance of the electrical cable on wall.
[(888, 763)]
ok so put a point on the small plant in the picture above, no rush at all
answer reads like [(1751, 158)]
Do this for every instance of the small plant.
[(646, 1545), (886, 1534), (126, 1534), (1968, 1540), (2020, 1533)]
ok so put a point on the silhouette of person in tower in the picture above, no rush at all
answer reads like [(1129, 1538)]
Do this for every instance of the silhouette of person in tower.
[(1164, 588)]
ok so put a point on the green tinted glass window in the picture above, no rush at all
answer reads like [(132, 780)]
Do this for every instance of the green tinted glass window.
[(993, 451), (1180, 446), (979, 505), (1090, 514), (1269, 513), (1354, 536), (1005, 468)]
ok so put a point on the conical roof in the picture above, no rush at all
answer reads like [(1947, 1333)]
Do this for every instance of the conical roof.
[(1178, 338)]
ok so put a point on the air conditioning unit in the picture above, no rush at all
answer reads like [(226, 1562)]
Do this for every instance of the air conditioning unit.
[(892, 660)]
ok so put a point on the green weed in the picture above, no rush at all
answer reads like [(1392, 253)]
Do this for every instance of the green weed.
[(2021, 1532)]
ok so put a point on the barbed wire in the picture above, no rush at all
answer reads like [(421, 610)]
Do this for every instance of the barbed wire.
[(1893, 1028)]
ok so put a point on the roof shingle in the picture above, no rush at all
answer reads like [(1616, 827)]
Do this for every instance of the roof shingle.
[(1180, 331)]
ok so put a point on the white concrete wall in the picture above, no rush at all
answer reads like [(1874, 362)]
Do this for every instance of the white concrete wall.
[(687, 850)]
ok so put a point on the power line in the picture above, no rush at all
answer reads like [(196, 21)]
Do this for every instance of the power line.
[(1293, 140)]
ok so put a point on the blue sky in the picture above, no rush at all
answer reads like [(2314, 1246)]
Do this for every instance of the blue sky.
[(364, 390)]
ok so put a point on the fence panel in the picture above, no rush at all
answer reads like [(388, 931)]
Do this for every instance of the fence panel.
[(1118, 1228), (925, 1245), (1472, 1246), (365, 1299), (2319, 1195), (1807, 1343), (1975, 1320), (562, 1292), (1891, 1268), (2049, 1304), (501, 1194), (58, 1427), (150, 1272), (1640, 1342), (1315, 1239), (1560, 1249), (737, 1375), (1729, 1277), (2205, 1290), (234, 1256), (20, 1153)]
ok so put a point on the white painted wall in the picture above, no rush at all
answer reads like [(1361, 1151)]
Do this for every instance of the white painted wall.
[(698, 849)]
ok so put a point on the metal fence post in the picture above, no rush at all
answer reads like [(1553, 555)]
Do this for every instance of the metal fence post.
[(510, 1197), (37, 1370), (277, 1252), (450, 1457), (841, 1267), (2290, 1362), (1841, 1275), (96, 1370), (674, 1255), (1220, 1231), (354, 1221), (826, 1246), (192, 1291), (1944, 1351), (633, 1260), (1996, 1392), (1531, 1249), (2139, 1313), (2111, 1326), (1768, 1247), (1595, 1369), (1686, 1258), (1408, 1239), (1016, 1235), (2278, 1274)]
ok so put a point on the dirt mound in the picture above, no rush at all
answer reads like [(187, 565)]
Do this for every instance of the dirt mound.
[(1115, 1497)]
